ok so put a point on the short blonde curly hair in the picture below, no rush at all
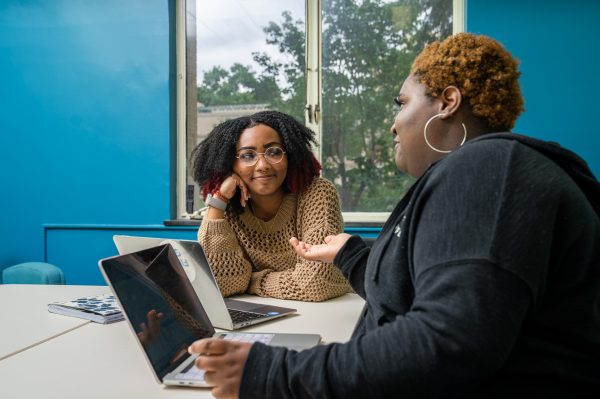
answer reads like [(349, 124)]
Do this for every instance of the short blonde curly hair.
[(484, 71)]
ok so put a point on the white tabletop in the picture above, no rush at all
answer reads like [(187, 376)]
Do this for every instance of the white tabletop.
[(95, 361), (25, 318), (105, 361)]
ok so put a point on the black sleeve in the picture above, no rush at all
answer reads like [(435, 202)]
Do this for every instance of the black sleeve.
[(438, 349), (352, 261)]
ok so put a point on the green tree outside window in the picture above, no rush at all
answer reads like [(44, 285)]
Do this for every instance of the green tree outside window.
[(368, 49)]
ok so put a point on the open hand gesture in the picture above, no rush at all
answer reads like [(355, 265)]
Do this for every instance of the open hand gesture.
[(323, 252)]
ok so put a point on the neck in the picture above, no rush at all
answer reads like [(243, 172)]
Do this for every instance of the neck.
[(476, 127), (266, 207)]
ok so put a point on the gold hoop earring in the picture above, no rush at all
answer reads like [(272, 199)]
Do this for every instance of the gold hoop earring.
[(432, 147)]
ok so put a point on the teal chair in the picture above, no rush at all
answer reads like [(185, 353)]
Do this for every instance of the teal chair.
[(33, 273)]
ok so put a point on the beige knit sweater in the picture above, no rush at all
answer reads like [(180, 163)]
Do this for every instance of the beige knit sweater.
[(248, 255)]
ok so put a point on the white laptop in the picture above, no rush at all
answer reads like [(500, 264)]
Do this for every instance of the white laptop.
[(166, 316), (225, 313)]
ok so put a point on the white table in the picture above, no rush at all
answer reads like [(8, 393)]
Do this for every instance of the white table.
[(24, 314), (104, 361)]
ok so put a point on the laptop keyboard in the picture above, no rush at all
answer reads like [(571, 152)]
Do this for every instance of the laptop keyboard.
[(239, 316), (249, 337)]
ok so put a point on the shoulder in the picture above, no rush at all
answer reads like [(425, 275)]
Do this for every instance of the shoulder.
[(492, 158), (490, 150), (320, 196), (494, 168), (319, 187), (501, 148), (319, 207)]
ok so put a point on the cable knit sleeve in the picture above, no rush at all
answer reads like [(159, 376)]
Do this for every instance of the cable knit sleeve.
[(231, 268), (317, 216)]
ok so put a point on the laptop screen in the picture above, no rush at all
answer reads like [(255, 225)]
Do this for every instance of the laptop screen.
[(160, 304)]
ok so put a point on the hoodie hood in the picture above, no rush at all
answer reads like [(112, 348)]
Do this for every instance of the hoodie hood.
[(570, 162)]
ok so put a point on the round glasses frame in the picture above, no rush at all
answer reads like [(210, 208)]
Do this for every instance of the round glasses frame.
[(269, 155)]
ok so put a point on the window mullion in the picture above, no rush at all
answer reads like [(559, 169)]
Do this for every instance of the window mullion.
[(181, 111), (458, 16), (313, 108)]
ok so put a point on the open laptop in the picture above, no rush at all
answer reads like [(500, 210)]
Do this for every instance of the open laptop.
[(225, 313), (166, 316)]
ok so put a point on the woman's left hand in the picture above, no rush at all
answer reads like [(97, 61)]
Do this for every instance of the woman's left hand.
[(223, 362)]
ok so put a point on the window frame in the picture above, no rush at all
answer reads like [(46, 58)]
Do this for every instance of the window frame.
[(186, 88)]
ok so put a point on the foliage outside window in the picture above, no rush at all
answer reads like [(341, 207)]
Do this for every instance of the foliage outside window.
[(368, 47)]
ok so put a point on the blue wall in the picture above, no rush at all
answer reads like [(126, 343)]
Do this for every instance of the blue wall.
[(84, 119), (557, 44), (85, 114)]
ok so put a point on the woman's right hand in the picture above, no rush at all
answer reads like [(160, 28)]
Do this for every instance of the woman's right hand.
[(230, 186), (323, 252)]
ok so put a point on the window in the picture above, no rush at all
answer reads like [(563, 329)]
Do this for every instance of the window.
[(336, 64)]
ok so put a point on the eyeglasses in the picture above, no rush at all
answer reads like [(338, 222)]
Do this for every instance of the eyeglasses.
[(249, 157)]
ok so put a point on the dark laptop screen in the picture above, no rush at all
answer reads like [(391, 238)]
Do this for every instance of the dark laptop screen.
[(160, 304)]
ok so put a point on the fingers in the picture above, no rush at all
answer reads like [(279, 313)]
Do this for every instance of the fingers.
[(324, 252), (210, 347), (154, 320), (154, 316), (217, 392), (299, 244), (233, 183), (243, 189), (310, 252), (300, 247), (223, 362), (244, 195), (144, 331), (224, 391)]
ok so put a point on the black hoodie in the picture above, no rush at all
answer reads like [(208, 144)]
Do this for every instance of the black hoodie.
[(484, 282), (570, 162)]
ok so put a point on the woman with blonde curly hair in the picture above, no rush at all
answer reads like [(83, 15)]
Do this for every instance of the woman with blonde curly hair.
[(485, 280)]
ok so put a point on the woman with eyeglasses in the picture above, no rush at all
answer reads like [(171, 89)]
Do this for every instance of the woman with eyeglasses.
[(261, 183)]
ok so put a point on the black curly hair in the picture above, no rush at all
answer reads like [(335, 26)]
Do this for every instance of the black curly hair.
[(213, 158)]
